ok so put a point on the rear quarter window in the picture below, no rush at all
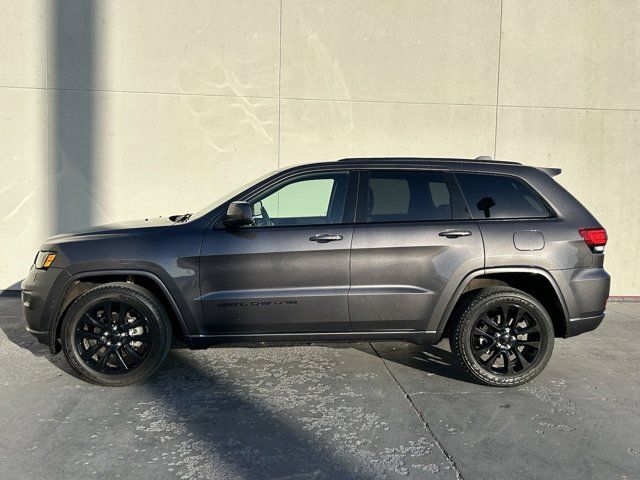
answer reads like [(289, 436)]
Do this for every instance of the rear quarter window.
[(500, 196)]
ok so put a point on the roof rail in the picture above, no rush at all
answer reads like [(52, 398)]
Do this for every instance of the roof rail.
[(424, 159)]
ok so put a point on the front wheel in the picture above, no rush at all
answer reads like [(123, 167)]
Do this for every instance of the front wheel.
[(502, 336), (116, 334)]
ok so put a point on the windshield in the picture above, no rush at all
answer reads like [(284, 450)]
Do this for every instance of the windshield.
[(229, 195)]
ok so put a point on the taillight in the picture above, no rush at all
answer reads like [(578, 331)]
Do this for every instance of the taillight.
[(596, 238)]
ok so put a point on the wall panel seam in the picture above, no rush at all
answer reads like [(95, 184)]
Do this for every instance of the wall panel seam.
[(46, 116), (495, 136), (388, 102), (141, 92), (279, 81)]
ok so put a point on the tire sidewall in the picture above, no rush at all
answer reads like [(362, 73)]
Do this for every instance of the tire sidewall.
[(477, 308), (140, 300)]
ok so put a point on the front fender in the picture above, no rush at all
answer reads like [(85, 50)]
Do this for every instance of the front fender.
[(153, 272)]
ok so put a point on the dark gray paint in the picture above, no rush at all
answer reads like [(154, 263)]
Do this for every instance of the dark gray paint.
[(378, 281), (528, 240), (400, 271), (275, 264)]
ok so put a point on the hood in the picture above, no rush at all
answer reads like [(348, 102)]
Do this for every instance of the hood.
[(146, 225)]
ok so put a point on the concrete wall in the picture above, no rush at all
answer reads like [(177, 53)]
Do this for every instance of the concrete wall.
[(122, 109)]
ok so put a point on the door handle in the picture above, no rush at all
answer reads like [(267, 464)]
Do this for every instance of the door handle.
[(325, 237), (455, 233)]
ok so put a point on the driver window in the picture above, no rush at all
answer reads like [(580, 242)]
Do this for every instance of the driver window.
[(317, 199)]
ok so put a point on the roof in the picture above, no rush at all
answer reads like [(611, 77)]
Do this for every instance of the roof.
[(481, 160)]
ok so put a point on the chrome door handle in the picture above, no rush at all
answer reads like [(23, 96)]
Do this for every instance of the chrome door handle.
[(325, 237), (455, 233)]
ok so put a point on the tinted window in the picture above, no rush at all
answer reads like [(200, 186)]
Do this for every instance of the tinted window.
[(498, 196), (407, 197), (316, 199)]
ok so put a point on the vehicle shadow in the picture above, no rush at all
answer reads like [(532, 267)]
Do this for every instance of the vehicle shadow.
[(431, 359), (13, 326), (213, 421), (222, 427)]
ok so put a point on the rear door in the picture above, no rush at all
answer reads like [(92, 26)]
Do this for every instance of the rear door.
[(412, 245), (288, 273)]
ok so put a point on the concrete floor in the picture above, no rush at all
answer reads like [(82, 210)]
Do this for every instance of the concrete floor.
[(382, 410)]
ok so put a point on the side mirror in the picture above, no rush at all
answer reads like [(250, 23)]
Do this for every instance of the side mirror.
[(239, 214)]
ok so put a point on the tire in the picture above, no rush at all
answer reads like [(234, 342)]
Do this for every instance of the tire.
[(482, 341), (120, 321)]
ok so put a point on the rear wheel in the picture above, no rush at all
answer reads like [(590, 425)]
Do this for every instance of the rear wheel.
[(502, 336), (116, 334)]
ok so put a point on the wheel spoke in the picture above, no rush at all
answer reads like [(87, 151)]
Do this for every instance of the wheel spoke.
[(523, 362), (89, 353), (102, 363), (133, 353), (530, 343), (491, 360), (518, 318), (143, 337), (529, 329), (485, 348), (136, 323), (505, 314), (489, 322), (88, 335), (507, 361), (93, 321), (481, 333), (107, 311), (121, 360)]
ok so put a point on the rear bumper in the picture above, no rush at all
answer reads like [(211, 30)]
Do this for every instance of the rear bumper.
[(584, 324), (585, 291)]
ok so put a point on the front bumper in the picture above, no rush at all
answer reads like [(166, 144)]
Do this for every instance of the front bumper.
[(40, 301)]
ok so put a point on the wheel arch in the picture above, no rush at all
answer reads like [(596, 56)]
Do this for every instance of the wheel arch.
[(81, 282), (535, 281)]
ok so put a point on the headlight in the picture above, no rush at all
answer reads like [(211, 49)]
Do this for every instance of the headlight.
[(44, 260)]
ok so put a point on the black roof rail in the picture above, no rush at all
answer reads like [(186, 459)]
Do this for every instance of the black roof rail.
[(424, 159)]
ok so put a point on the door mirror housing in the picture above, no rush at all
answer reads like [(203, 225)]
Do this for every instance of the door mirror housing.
[(239, 214)]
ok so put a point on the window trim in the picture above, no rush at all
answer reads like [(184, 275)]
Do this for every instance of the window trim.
[(551, 212), (458, 207), (286, 178)]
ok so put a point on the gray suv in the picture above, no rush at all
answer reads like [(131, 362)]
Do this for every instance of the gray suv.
[(496, 256)]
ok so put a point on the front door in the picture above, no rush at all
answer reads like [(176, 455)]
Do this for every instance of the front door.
[(289, 272), (411, 247)]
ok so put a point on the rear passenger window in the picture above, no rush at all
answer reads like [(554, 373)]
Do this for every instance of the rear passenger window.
[(407, 197), (499, 196)]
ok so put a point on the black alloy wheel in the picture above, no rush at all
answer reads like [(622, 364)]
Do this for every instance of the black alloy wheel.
[(116, 334), (113, 337), (501, 336), (506, 339)]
